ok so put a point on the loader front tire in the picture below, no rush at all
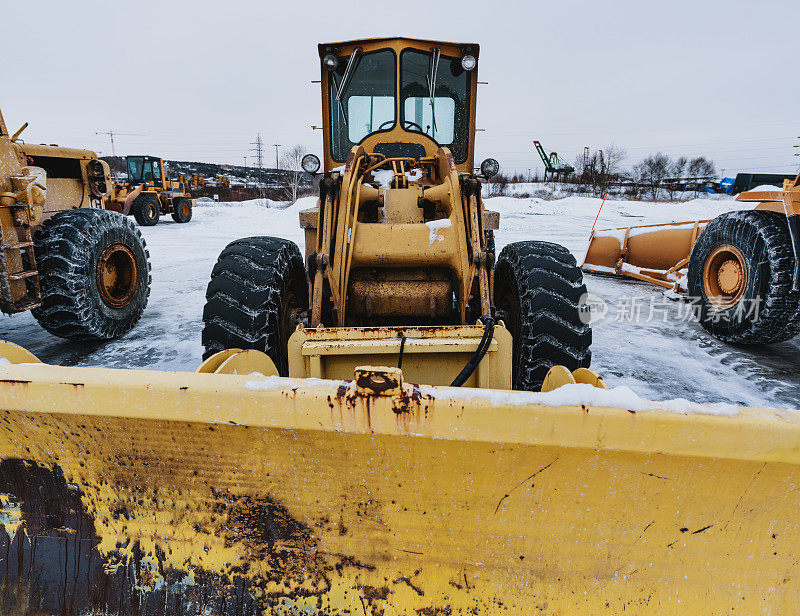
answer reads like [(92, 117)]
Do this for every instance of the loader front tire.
[(539, 294), (182, 211), (740, 276), (146, 210), (94, 274), (257, 292)]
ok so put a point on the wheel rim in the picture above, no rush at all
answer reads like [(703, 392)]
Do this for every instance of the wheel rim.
[(117, 275), (725, 276), (152, 212), (185, 209)]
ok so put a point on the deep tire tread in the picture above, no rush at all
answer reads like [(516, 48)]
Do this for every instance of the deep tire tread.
[(764, 239), (245, 296), (67, 246), (552, 327)]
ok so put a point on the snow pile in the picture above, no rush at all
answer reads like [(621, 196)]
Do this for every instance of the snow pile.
[(582, 394), (578, 394), (766, 187)]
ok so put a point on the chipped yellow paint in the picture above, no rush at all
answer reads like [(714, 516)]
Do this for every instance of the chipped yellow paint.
[(318, 499)]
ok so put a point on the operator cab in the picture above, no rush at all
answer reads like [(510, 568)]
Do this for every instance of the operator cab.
[(145, 169), (400, 98)]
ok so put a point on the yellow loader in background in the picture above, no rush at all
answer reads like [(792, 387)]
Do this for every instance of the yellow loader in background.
[(149, 192), (238, 491), (742, 269)]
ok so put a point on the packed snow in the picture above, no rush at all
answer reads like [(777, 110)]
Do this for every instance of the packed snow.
[(643, 340)]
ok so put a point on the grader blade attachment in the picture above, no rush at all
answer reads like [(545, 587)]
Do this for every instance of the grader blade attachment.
[(653, 253), (152, 493)]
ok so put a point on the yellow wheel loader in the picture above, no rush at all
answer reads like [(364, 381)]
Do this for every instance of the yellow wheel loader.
[(741, 269), (235, 491), (149, 192), (82, 271), (400, 250)]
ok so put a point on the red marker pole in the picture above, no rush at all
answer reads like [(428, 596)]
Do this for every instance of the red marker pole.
[(600, 210)]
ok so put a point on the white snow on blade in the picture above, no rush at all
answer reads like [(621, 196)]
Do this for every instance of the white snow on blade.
[(599, 268), (435, 226), (581, 394), (617, 234), (568, 395), (766, 187)]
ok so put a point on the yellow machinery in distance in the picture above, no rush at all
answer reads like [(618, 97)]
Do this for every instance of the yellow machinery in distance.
[(742, 269), (83, 272), (149, 192)]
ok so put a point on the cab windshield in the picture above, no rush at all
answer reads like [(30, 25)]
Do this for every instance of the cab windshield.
[(142, 169), (362, 101), (434, 99)]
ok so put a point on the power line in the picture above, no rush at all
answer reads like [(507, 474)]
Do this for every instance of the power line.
[(111, 134)]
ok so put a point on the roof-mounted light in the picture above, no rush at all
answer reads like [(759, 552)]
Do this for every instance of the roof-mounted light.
[(330, 61), (468, 62)]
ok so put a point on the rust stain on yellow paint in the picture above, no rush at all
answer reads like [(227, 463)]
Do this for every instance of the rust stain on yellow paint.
[(224, 495)]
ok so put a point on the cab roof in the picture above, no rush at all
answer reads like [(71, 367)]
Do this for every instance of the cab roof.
[(323, 47)]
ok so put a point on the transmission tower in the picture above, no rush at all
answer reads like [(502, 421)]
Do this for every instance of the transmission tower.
[(259, 150)]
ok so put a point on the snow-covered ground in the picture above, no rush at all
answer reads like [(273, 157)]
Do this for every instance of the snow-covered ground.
[(660, 355)]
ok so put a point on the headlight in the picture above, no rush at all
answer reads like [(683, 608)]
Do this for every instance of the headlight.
[(468, 62), (489, 168), (310, 163), (330, 62)]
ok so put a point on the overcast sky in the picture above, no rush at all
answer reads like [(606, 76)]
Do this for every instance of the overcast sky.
[(198, 80)]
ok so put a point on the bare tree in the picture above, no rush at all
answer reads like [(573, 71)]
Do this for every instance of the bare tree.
[(614, 157), (652, 171), (702, 167), (291, 164), (675, 180)]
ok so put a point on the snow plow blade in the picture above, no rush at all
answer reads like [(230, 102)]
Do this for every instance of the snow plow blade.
[(153, 493), (658, 254)]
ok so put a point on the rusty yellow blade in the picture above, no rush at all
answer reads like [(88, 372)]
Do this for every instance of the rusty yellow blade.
[(150, 493)]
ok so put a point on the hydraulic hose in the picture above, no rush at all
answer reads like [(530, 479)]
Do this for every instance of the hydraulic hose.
[(472, 364)]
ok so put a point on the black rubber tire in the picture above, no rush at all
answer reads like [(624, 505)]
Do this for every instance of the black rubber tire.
[(254, 286), (539, 292), (68, 248), (768, 309), (177, 212), (145, 215)]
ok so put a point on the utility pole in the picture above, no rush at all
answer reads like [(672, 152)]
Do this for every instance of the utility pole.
[(259, 150), (111, 134), (798, 153)]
